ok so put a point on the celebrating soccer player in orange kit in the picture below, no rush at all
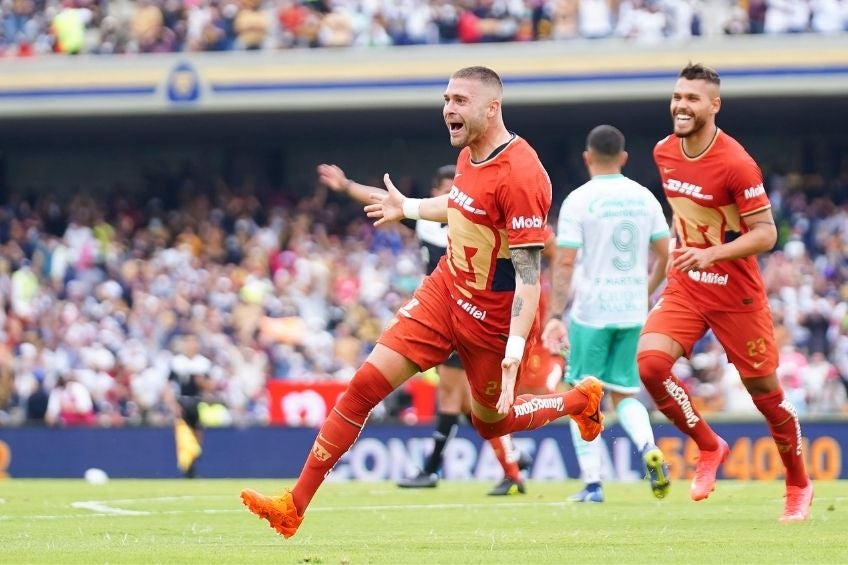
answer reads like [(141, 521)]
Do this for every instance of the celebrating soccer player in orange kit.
[(481, 301), (722, 220), (454, 395)]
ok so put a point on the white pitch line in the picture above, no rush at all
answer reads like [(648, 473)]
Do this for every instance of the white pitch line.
[(6, 518), (166, 498), (102, 508)]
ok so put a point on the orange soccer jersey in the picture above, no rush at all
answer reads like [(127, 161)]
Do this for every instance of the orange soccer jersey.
[(710, 195), (466, 303), (500, 203)]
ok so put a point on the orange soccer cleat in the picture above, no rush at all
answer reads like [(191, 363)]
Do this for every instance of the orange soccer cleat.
[(591, 421), (703, 483), (797, 505), (278, 510)]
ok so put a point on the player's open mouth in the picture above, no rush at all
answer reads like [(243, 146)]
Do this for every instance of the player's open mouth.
[(682, 118), (455, 127)]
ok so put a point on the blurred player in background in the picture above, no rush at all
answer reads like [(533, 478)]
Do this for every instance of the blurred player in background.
[(453, 395), (481, 301), (188, 380), (722, 220), (615, 222)]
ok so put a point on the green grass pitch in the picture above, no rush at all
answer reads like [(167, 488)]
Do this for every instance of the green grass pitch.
[(203, 521)]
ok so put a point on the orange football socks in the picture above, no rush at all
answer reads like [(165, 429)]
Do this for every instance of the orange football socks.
[(367, 388)]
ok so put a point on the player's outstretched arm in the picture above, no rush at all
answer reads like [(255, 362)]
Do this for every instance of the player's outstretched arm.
[(435, 209), (392, 206), (335, 179)]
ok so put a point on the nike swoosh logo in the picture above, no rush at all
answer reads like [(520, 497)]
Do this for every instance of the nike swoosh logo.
[(667, 170), (757, 364)]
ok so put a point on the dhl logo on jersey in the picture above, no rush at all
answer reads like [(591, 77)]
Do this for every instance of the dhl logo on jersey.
[(687, 189), (464, 201)]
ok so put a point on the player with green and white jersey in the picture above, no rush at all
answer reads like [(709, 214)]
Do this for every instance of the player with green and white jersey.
[(609, 226)]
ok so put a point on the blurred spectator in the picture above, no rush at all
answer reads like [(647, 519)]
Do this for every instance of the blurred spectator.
[(818, 375), (336, 30), (828, 16), (757, 15), (147, 25), (643, 21), (24, 291), (7, 385), (595, 18), (37, 403), (69, 404), (564, 20), (68, 27), (251, 25), (786, 16), (790, 373)]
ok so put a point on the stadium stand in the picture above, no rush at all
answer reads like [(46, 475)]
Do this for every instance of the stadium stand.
[(96, 293), (98, 296), (36, 27)]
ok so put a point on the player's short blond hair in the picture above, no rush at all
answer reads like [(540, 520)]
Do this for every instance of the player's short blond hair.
[(484, 75)]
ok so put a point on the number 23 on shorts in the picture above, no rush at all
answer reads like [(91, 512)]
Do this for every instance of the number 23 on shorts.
[(756, 347)]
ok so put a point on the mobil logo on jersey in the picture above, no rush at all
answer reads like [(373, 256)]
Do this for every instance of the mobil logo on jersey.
[(524, 222), (754, 191), (464, 201), (686, 189)]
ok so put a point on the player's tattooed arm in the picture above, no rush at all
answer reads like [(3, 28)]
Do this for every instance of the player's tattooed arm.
[(527, 262), (517, 306)]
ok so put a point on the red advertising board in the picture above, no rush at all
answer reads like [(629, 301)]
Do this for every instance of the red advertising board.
[(307, 403), (302, 403)]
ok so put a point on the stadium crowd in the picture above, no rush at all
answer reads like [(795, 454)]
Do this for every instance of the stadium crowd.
[(97, 298), (35, 27)]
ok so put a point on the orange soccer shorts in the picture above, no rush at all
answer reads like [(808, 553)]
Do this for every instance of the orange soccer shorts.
[(429, 327), (747, 337), (544, 371)]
